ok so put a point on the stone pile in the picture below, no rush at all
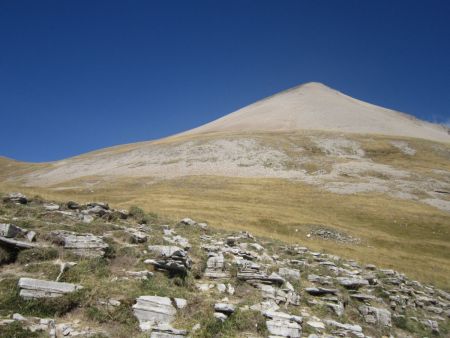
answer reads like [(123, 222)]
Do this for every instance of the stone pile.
[(170, 258)]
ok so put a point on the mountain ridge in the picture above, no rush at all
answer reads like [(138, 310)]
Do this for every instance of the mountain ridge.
[(315, 106)]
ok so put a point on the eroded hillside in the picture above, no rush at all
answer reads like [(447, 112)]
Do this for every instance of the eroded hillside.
[(70, 269)]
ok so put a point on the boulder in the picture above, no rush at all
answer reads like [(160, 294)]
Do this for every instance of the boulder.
[(36, 288)]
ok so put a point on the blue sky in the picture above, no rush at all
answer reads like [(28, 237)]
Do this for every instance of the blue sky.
[(81, 75)]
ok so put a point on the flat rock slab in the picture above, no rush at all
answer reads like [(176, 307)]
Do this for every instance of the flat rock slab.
[(167, 331), (280, 324), (154, 310), (19, 244), (352, 283), (37, 288), (86, 245)]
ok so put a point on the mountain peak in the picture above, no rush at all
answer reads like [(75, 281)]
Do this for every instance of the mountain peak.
[(315, 106)]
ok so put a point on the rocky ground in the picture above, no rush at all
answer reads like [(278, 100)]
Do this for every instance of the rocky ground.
[(91, 271)]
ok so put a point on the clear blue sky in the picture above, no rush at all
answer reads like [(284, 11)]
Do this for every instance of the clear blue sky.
[(81, 75)]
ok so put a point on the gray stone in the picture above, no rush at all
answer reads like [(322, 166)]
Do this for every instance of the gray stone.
[(137, 236), (9, 230), (16, 197), (349, 327), (215, 266), (352, 282), (220, 316), (51, 206), (188, 221), (291, 274), (373, 315), (86, 245), (36, 288), (31, 236), (284, 328), (166, 331), (153, 310), (166, 250), (225, 308)]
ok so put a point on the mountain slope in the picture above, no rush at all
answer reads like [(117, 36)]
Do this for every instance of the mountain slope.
[(314, 106), (392, 192)]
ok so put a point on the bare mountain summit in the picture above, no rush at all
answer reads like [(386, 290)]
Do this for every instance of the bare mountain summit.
[(314, 106)]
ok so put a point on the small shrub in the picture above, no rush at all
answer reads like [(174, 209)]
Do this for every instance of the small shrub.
[(238, 322), (122, 314), (95, 267), (15, 330), (141, 216), (36, 254), (5, 256)]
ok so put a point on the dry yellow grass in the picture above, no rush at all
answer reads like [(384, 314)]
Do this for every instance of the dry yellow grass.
[(405, 235)]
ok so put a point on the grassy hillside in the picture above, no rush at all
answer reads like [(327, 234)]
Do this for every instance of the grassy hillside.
[(403, 233), (406, 235)]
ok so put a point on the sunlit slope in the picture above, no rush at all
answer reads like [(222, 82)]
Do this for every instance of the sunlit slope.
[(314, 106)]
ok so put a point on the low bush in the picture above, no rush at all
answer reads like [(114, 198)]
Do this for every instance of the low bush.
[(36, 254)]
